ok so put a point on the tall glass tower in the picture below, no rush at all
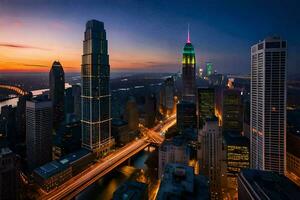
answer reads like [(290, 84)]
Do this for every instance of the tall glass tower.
[(95, 90), (268, 105), (188, 71), (57, 91)]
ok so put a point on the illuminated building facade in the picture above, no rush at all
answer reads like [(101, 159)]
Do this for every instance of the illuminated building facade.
[(57, 91), (237, 157), (206, 104), (210, 138), (268, 105), (209, 69), (188, 71), (232, 110), (95, 90)]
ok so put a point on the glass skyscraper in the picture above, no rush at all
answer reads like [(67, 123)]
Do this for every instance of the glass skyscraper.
[(188, 72), (268, 105), (95, 90)]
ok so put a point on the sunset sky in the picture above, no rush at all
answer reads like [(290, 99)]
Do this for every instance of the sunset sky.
[(143, 35)]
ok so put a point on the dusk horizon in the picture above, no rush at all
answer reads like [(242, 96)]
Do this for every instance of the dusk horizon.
[(143, 36)]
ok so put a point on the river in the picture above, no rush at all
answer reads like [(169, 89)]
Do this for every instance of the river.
[(104, 188)]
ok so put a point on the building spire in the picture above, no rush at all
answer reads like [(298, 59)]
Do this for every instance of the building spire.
[(188, 38)]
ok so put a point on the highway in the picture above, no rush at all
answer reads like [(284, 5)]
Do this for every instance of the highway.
[(16, 89), (76, 184)]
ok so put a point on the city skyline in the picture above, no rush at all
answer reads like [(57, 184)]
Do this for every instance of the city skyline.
[(215, 37)]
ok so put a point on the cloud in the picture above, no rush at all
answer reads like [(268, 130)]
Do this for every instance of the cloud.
[(22, 46), (35, 65)]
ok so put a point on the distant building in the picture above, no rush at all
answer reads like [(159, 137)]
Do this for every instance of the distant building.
[(186, 115), (21, 117), (206, 104), (69, 101), (259, 185), (55, 173), (132, 190), (121, 132), (210, 154), (237, 157), (8, 125), (209, 69), (131, 114), (174, 150), (57, 91), (38, 132), (95, 90), (76, 93), (188, 71), (232, 111), (268, 105), (150, 110), (179, 182), (9, 175), (167, 102)]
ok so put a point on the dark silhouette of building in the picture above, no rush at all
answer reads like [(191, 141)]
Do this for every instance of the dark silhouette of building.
[(38, 132), (186, 115), (150, 110), (8, 125), (21, 117), (131, 114), (56, 92), (9, 175), (76, 93), (188, 71), (95, 90), (258, 185)]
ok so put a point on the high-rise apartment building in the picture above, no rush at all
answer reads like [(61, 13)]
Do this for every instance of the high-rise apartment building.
[(95, 90), (268, 104), (188, 71), (56, 92), (38, 132)]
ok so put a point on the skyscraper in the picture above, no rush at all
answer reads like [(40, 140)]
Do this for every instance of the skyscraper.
[(186, 115), (38, 132), (188, 71), (95, 90), (268, 105), (206, 104), (232, 111), (57, 90), (131, 114)]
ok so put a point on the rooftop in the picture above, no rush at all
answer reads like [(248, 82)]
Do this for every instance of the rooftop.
[(234, 138), (53, 167), (132, 190), (270, 185), (118, 122), (179, 182)]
